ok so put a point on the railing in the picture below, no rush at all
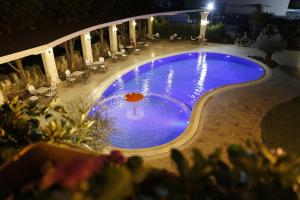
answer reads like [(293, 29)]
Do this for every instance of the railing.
[(38, 47)]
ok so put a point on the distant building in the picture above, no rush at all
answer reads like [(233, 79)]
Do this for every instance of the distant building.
[(294, 9), (277, 7)]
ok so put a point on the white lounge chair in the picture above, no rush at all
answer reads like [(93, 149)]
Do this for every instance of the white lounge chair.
[(113, 56), (52, 91), (69, 76), (88, 62), (101, 63), (151, 37), (101, 60), (31, 90), (123, 53), (171, 38), (137, 51), (193, 39), (91, 65), (157, 35)]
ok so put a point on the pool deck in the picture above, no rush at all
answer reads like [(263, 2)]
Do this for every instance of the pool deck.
[(232, 116)]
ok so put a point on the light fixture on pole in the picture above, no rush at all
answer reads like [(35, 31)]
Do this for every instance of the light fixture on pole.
[(50, 51), (210, 6)]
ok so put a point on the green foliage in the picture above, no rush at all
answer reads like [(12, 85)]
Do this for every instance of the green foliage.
[(24, 123), (258, 20), (270, 42), (166, 29), (92, 130), (17, 15), (215, 32), (249, 172)]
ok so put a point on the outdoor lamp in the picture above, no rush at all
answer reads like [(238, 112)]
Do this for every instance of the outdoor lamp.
[(210, 6), (50, 51), (87, 36)]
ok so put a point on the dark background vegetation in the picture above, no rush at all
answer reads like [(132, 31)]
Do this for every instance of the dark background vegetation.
[(18, 15), (294, 4), (28, 23)]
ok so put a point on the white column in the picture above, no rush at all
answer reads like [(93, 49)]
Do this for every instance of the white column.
[(150, 26), (50, 65), (86, 47), (132, 33), (1, 97), (203, 24), (113, 40)]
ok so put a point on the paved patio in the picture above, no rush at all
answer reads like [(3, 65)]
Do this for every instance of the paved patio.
[(229, 117)]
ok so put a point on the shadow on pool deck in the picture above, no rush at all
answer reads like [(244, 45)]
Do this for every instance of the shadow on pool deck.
[(281, 126)]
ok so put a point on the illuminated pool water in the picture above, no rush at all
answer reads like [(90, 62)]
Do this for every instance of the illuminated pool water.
[(171, 87)]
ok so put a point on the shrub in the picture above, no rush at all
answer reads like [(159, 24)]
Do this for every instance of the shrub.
[(166, 29), (96, 137), (24, 123), (215, 32), (250, 172), (270, 42)]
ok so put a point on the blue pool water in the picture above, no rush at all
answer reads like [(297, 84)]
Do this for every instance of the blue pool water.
[(171, 86)]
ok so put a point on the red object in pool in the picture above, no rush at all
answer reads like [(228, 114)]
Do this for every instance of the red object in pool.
[(134, 97)]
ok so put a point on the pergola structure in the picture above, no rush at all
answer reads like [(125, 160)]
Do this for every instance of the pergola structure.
[(46, 50)]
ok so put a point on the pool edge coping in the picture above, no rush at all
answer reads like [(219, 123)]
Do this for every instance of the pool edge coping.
[(196, 119)]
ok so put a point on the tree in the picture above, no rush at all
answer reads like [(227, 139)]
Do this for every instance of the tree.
[(19, 15), (139, 30), (258, 19), (69, 48), (270, 42), (100, 34), (123, 29), (18, 67)]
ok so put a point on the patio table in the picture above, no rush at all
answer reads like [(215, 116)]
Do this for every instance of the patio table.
[(78, 73), (98, 63), (42, 90), (118, 54)]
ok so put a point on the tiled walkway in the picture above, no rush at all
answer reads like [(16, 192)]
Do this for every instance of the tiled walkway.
[(230, 117)]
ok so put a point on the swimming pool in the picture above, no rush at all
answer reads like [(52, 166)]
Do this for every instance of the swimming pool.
[(171, 86)]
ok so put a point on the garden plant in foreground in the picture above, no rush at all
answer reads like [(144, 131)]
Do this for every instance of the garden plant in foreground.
[(249, 172)]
